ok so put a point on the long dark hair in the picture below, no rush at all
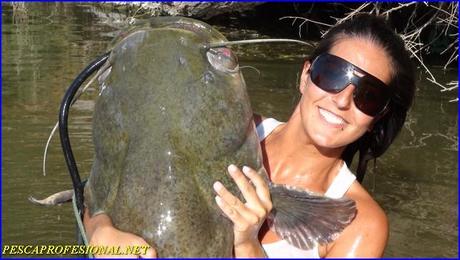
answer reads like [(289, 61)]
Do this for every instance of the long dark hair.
[(375, 142)]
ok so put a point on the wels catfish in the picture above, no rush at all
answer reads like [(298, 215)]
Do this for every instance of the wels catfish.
[(172, 114)]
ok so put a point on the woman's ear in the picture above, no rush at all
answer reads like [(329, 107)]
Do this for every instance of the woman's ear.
[(304, 76)]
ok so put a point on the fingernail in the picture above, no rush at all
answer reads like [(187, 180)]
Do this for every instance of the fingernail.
[(218, 200), (217, 186), (246, 169), (232, 168)]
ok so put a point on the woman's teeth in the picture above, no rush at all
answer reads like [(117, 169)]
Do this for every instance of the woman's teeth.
[(331, 118)]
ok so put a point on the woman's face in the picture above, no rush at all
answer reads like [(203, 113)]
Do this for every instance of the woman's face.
[(331, 120)]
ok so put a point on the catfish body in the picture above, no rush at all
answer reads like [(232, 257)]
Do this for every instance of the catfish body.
[(170, 118)]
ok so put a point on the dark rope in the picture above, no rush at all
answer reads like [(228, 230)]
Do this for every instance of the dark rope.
[(63, 131)]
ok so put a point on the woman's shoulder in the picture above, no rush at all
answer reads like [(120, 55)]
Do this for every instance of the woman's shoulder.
[(369, 211), (367, 235)]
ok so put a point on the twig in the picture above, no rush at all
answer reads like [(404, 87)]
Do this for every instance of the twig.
[(400, 6), (305, 20)]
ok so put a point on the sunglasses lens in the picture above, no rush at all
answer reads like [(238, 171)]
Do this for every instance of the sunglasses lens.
[(369, 97), (333, 74), (329, 74)]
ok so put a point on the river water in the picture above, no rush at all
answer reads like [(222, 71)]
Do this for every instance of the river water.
[(45, 45)]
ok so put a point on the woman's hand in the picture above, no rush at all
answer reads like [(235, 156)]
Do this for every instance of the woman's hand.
[(247, 217), (101, 232)]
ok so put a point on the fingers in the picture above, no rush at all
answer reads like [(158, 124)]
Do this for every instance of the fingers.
[(247, 218), (230, 205), (243, 184), (261, 186), (257, 197), (229, 211)]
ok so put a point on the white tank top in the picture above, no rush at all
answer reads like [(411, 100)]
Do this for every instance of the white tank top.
[(341, 183)]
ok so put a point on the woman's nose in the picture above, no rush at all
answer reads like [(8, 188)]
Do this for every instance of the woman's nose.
[(344, 98)]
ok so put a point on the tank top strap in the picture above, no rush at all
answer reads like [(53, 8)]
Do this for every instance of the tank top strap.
[(266, 127), (341, 183)]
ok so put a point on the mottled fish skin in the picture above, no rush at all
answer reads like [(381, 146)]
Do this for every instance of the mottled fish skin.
[(166, 126)]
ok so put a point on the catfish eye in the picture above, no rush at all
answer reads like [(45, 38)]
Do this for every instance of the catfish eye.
[(222, 59)]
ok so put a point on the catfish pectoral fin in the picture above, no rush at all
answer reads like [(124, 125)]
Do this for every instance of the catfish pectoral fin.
[(305, 219), (55, 199)]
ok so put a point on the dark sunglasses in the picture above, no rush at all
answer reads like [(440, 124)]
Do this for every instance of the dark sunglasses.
[(333, 74)]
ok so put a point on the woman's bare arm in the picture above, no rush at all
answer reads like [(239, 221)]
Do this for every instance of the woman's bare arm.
[(368, 233), (101, 232)]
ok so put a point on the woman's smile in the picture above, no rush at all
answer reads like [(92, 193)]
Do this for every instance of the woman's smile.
[(332, 119)]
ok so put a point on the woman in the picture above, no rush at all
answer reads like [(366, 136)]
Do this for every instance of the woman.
[(356, 89)]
